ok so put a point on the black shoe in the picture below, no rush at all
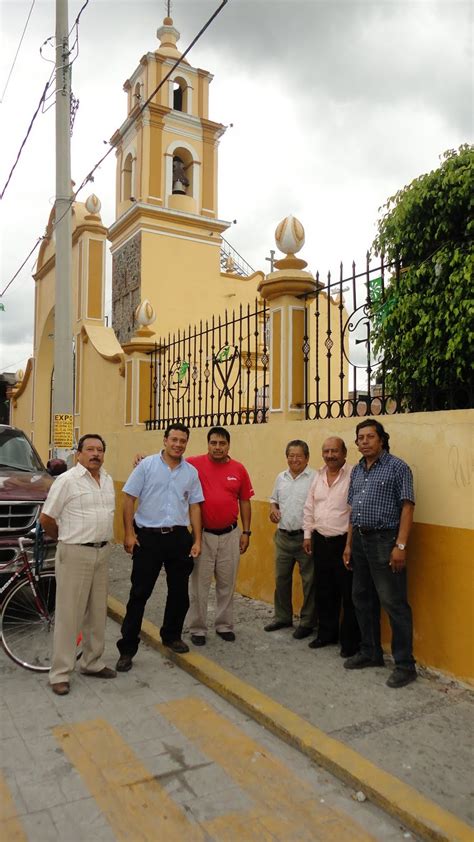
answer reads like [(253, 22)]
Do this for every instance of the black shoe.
[(317, 643), (198, 639), (178, 646), (401, 676), (277, 624), (124, 663), (301, 632), (229, 636), (348, 653), (359, 661)]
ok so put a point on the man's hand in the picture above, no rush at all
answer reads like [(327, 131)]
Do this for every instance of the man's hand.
[(244, 543), (275, 514), (346, 556), (129, 542), (195, 549), (307, 546), (398, 560), (138, 458)]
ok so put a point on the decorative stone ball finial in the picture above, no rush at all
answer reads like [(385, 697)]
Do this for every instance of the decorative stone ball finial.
[(93, 204), (19, 375), (144, 316), (289, 237)]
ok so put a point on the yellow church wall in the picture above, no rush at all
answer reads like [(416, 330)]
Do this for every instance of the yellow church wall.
[(205, 292), (440, 556)]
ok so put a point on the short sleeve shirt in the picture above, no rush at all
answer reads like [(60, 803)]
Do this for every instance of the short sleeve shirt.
[(164, 494), (377, 495), (223, 485), (290, 493), (83, 509)]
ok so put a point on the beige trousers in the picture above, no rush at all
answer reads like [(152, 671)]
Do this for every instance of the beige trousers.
[(82, 575), (219, 557)]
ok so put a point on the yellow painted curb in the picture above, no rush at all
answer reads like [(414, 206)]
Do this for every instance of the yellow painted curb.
[(394, 796)]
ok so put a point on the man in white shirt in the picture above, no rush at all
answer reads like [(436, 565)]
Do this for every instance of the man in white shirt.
[(326, 521), (79, 513), (286, 510)]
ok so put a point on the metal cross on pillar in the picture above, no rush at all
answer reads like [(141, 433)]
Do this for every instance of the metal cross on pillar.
[(271, 259)]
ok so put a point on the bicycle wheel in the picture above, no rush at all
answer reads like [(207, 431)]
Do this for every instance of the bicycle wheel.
[(26, 631)]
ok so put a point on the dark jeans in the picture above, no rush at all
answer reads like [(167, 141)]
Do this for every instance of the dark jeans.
[(333, 591), (375, 585), (155, 550)]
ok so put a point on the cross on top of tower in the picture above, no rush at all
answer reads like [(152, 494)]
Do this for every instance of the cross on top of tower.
[(168, 8)]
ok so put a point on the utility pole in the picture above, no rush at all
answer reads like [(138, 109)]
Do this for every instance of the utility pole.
[(63, 419)]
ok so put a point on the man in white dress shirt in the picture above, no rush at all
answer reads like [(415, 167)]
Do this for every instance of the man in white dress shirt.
[(79, 513), (326, 521), (286, 510)]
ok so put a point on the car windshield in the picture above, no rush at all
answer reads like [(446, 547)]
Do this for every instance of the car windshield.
[(17, 452)]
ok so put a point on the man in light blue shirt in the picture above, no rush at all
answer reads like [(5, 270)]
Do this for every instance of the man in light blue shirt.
[(157, 535)]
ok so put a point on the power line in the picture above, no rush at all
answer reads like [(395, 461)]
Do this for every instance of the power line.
[(89, 176), (17, 51), (41, 102)]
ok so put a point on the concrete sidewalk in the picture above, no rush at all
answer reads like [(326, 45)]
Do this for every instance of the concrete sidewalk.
[(422, 734), (155, 756)]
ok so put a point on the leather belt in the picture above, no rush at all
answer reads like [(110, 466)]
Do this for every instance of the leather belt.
[(292, 532), (161, 530), (96, 544), (221, 531), (363, 531), (330, 537)]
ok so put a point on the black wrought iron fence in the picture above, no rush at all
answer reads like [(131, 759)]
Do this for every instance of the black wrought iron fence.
[(344, 374), (214, 373)]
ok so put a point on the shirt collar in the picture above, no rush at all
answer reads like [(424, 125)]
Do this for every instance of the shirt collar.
[(304, 473), (181, 460), (82, 470), (380, 459)]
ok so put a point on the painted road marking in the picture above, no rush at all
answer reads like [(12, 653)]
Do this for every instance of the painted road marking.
[(11, 828), (284, 804), (136, 806)]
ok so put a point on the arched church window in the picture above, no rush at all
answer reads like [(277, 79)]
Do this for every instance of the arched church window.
[(128, 177), (138, 93), (180, 94), (181, 182)]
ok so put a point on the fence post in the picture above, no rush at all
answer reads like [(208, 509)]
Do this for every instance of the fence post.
[(285, 290)]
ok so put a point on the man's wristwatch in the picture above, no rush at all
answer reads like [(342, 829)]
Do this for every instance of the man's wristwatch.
[(401, 546), (246, 532)]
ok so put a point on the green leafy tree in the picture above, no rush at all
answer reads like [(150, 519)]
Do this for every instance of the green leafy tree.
[(422, 325)]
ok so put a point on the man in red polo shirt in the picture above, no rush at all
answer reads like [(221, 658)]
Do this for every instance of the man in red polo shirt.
[(227, 489)]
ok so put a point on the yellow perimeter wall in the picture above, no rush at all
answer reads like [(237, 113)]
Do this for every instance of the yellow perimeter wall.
[(438, 447)]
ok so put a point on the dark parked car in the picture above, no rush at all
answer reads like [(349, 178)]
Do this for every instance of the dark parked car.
[(24, 485)]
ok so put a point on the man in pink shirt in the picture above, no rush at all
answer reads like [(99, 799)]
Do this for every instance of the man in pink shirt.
[(325, 522)]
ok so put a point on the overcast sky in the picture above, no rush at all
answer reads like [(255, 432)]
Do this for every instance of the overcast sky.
[(335, 105)]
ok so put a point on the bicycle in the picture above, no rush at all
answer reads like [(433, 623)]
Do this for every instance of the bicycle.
[(27, 603)]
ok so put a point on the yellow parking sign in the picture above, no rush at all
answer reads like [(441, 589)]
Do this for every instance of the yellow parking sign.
[(63, 431)]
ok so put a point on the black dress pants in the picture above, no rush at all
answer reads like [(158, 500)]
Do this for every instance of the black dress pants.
[(155, 550), (333, 592)]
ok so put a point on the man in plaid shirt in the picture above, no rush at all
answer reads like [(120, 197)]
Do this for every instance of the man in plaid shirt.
[(382, 501)]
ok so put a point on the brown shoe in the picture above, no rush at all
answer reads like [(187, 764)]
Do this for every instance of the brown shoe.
[(105, 672), (61, 688)]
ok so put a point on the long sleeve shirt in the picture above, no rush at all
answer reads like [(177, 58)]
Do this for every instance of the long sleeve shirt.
[(326, 509)]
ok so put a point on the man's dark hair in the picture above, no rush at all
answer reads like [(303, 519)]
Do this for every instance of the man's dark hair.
[(298, 443), (370, 422), (177, 426), (80, 443), (219, 431)]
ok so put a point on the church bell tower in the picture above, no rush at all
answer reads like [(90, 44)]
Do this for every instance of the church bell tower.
[(166, 235)]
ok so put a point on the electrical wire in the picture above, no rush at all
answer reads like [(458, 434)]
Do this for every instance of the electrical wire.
[(41, 102), (17, 51), (90, 174)]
